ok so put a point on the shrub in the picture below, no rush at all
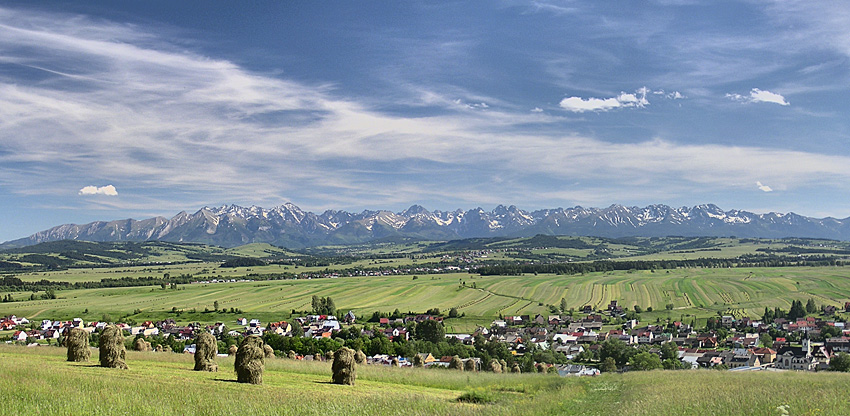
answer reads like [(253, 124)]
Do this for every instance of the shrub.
[(476, 396)]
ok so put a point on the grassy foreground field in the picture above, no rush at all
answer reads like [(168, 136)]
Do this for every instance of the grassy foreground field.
[(39, 381), (697, 292)]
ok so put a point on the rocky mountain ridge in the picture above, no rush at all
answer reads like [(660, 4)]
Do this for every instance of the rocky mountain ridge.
[(288, 225)]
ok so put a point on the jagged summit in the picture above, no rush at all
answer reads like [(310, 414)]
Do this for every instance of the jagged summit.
[(289, 226)]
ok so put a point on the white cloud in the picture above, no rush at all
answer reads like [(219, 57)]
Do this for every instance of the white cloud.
[(536, 110), (764, 188), (758, 96), (623, 100), (103, 190), (580, 105)]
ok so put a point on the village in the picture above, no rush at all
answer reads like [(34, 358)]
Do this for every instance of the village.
[(575, 345)]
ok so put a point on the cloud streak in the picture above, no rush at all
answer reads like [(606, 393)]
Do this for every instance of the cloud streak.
[(117, 102)]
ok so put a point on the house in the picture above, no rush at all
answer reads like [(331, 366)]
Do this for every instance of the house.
[(727, 321), (241, 321), (19, 336), (576, 370), (795, 358), (765, 355), (349, 318), (427, 358)]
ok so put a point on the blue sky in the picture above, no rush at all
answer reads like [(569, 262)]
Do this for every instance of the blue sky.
[(113, 110)]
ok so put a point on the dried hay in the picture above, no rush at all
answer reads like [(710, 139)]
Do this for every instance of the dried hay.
[(343, 367), (111, 346), (206, 348), (250, 361), (77, 342)]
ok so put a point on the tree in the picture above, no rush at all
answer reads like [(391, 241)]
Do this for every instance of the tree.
[(608, 365), (669, 350), (645, 361), (453, 313), (669, 306), (563, 305), (766, 340), (841, 362), (215, 306), (616, 349), (674, 364), (638, 309), (810, 306), (431, 330), (797, 310)]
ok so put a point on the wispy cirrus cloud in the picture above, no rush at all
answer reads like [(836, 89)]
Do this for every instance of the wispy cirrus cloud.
[(89, 99)]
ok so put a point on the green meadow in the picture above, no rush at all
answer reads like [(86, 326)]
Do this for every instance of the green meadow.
[(694, 292), (40, 381)]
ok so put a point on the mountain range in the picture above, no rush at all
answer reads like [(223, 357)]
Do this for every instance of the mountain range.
[(290, 226)]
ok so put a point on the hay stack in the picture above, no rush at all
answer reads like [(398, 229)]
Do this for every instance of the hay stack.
[(360, 357), (395, 362), (232, 350), (268, 351), (77, 342), (417, 361), (250, 361), (291, 355), (504, 365), (329, 355), (141, 345), (456, 363), (516, 369), (111, 346), (158, 348), (206, 348), (540, 368), (469, 365), (343, 367), (495, 366)]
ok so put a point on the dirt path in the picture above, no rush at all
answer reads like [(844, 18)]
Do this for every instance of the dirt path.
[(36, 314)]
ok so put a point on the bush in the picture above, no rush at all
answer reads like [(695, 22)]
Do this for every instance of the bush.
[(476, 396)]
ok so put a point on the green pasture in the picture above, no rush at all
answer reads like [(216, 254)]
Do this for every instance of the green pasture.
[(40, 381), (697, 292)]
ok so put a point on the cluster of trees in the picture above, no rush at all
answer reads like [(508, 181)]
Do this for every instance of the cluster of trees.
[(614, 354), (506, 269), (323, 306)]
